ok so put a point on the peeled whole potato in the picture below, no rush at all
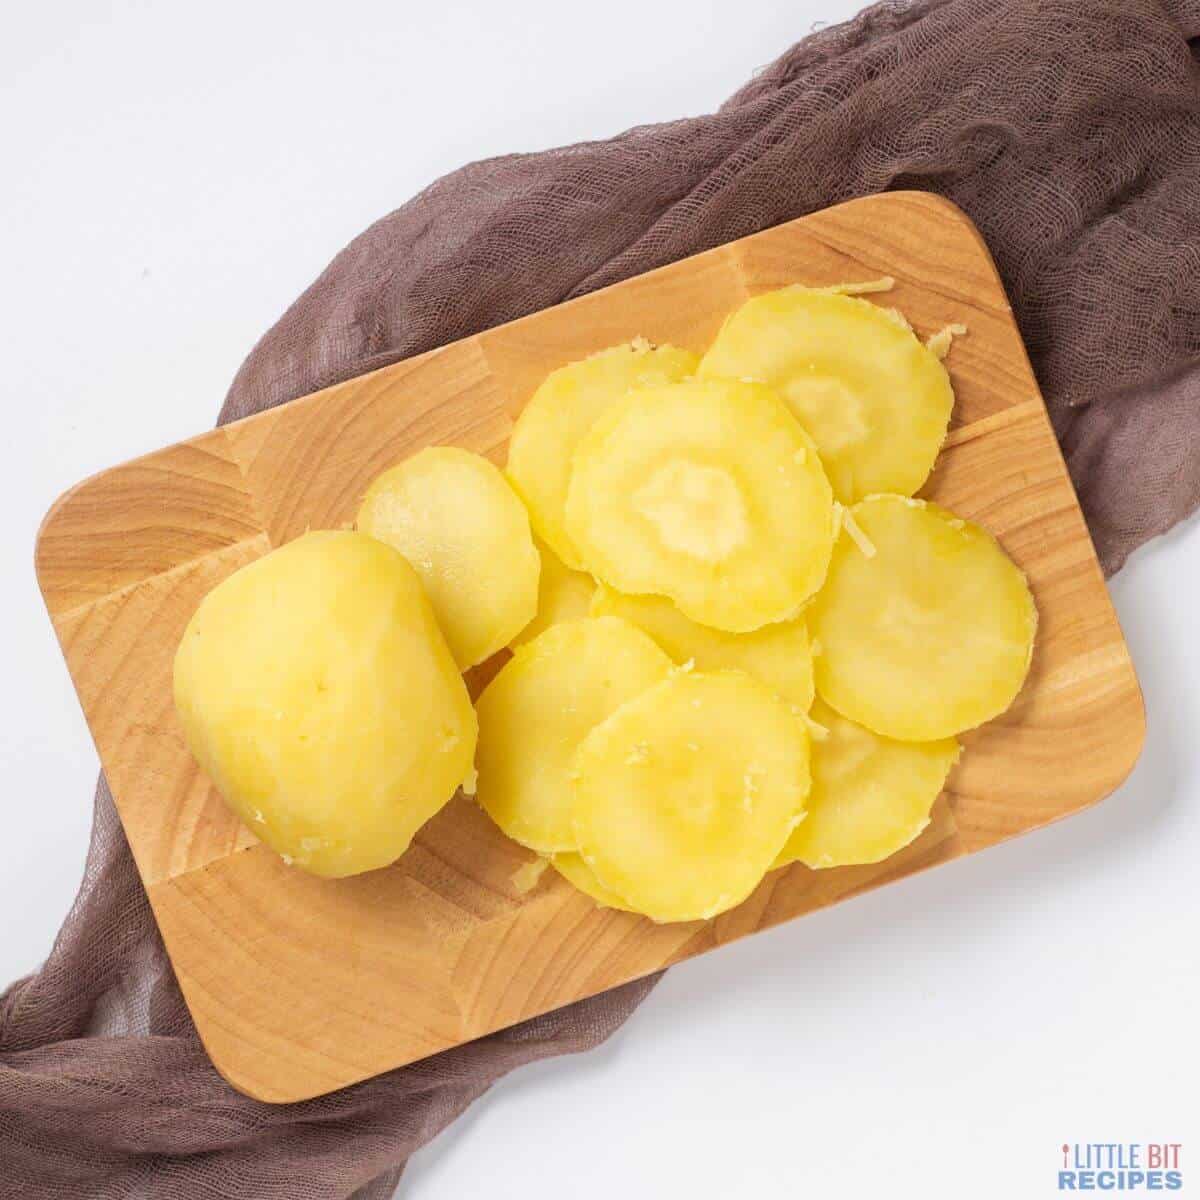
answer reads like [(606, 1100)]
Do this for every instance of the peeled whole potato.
[(318, 693)]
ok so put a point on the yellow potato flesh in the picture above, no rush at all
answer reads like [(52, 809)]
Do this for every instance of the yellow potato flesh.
[(316, 690), (778, 655), (453, 516), (870, 795), (558, 415), (928, 636), (563, 595), (875, 400), (537, 710), (709, 493), (686, 795), (574, 870)]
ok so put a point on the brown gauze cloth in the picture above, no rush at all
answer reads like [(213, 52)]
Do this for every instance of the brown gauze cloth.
[(1068, 131)]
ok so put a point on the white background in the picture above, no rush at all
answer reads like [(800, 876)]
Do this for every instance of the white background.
[(173, 175)]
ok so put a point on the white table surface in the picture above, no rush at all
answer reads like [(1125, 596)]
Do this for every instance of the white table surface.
[(172, 177)]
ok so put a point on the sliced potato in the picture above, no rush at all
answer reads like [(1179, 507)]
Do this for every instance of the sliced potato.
[(686, 795), (707, 492), (870, 797), (778, 655), (573, 869), (316, 690), (876, 401), (453, 516), (538, 709), (562, 410), (926, 626), (563, 595)]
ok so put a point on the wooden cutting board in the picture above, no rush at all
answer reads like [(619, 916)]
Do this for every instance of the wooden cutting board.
[(300, 985)]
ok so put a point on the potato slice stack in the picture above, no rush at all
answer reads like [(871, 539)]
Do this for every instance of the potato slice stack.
[(727, 671)]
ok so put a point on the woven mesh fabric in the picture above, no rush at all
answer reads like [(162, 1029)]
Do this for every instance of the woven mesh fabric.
[(1069, 132)]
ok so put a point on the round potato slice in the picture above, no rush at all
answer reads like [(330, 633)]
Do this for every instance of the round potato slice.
[(563, 595), (778, 655), (686, 795), (562, 410), (574, 870), (708, 492), (537, 710), (925, 625), (316, 690), (876, 401), (453, 516), (870, 795)]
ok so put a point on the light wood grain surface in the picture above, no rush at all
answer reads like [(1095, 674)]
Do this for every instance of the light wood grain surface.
[(298, 985)]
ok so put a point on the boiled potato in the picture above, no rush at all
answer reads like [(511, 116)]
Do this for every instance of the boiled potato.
[(708, 492), (686, 795), (563, 595), (574, 870), (925, 625), (562, 410), (541, 705), (876, 401), (870, 795), (453, 516), (317, 692), (778, 655)]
